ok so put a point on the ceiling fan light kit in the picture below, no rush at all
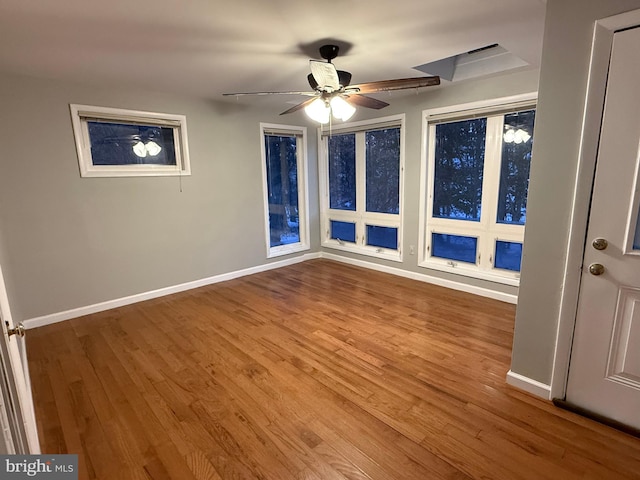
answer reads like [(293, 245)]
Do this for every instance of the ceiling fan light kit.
[(333, 94), (341, 109), (318, 110)]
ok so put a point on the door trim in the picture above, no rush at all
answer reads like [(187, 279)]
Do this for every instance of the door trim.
[(602, 42), (22, 384)]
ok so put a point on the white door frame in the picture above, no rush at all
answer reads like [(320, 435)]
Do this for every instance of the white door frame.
[(589, 141), (20, 384)]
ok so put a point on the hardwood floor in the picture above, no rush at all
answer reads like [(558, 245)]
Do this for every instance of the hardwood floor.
[(314, 371)]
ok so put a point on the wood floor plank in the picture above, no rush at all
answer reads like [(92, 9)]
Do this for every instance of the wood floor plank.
[(316, 371), (201, 467)]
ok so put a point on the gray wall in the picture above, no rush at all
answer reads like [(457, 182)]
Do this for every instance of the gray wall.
[(561, 98), (69, 242), (455, 94), (4, 260)]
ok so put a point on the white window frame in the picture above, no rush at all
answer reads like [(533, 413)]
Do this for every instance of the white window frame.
[(360, 216), (303, 196), (81, 114), (487, 230)]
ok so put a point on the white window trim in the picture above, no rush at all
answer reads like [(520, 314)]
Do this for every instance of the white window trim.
[(303, 195), (360, 216), (79, 116), (487, 226)]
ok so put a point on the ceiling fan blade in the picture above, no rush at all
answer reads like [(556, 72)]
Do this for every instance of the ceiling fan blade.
[(299, 106), (238, 94), (325, 74), (367, 102), (397, 84)]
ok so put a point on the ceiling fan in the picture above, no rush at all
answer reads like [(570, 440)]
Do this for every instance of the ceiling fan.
[(333, 93)]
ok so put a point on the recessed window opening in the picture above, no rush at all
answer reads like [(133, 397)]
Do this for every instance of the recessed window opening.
[(361, 179), (285, 186), (114, 142), (475, 182)]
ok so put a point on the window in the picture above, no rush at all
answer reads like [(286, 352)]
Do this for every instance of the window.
[(361, 184), (475, 188), (113, 142), (284, 174)]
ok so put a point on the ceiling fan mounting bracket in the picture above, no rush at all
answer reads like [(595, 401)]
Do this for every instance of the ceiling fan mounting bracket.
[(329, 52)]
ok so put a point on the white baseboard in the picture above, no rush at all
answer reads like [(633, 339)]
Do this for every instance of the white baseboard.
[(140, 297), (527, 384), (422, 277)]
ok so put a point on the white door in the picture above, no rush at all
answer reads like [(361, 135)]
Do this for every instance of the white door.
[(18, 431), (604, 373)]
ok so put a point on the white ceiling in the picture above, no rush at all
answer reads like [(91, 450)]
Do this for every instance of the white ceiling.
[(207, 47)]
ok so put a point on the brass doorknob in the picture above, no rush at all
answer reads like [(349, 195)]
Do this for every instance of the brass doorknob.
[(596, 269), (18, 330), (600, 244)]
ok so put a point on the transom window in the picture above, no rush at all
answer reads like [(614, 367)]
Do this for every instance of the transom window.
[(475, 189), (114, 142), (361, 182), (284, 172)]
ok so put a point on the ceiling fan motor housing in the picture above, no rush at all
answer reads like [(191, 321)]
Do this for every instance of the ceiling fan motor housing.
[(329, 52), (343, 77)]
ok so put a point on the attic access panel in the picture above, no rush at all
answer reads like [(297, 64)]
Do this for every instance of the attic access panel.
[(474, 63)]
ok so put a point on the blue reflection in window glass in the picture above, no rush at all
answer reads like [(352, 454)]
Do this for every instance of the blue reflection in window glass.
[(454, 247), (508, 255), (344, 231), (113, 144), (386, 237)]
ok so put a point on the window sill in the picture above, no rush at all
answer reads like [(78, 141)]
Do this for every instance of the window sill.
[(282, 250), (134, 172), (506, 278), (383, 253)]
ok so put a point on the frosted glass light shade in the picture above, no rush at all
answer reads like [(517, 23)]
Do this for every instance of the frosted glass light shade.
[(516, 136), (318, 111), (524, 135), (140, 150), (341, 109), (153, 148), (509, 135)]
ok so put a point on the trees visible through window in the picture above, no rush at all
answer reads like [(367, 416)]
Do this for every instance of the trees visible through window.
[(284, 170), (459, 169), (342, 172), (477, 184), (383, 170), (514, 170), (282, 186)]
